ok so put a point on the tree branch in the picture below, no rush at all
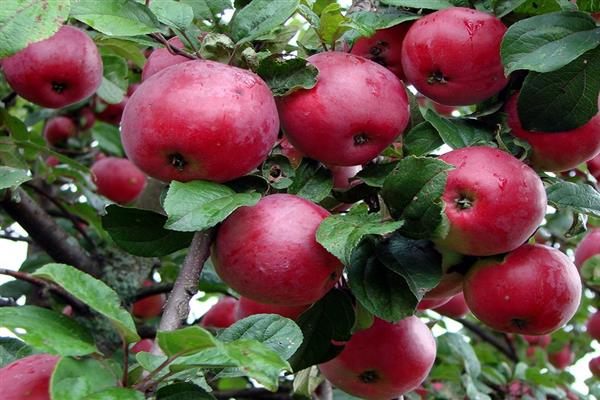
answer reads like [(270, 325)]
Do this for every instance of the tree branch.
[(46, 232), (15, 238), (172, 49), (147, 291), (488, 337)]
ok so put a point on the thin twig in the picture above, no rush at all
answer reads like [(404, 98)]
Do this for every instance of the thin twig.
[(141, 385), (172, 49), (488, 337), (15, 238), (192, 45), (125, 379), (147, 291), (7, 303)]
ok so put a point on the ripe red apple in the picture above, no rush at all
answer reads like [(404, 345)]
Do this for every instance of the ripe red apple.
[(532, 290), (563, 358), (593, 166), (456, 307), (384, 48), (342, 175), (86, 118), (52, 161), (356, 110), (56, 72), (428, 304), (112, 113), (452, 281), (588, 247), (542, 341), (593, 326), (384, 361), (143, 345), (247, 307), (27, 378), (269, 252), (149, 307), (595, 366), (494, 202), (118, 179), (161, 58), (221, 315), (200, 120), (452, 56), (557, 151), (58, 130)]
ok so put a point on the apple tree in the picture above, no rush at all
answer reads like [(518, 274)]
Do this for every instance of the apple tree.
[(277, 199)]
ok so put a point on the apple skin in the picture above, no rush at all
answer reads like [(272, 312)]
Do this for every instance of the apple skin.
[(453, 57), (456, 307), (563, 358), (247, 307), (429, 304), (52, 161), (58, 130), (200, 120), (557, 151), (143, 345), (593, 166), (269, 252), (593, 326), (112, 113), (356, 109), (588, 247), (221, 315), (59, 71), (494, 202), (384, 361), (118, 179), (161, 58), (384, 48), (28, 378), (542, 341), (533, 290), (342, 175), (595, 366), (149, 307)]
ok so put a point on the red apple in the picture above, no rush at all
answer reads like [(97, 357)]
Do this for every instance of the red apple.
[(593, 326), (86, 118), (384, 48), (289, 151), (222, 314), (27, 378), (118, 179), (588, 247), (452, 281), (456, 307), (428, 304), (52, 161), (542, 341), (384, 361), (56, 72), (269, 252), (143, 345), (453, 57), (595, 366), (533, 290), (356, 110), (563, 358), (494, 202), (441, 109), (149, 307), (58, 130), (200, 120), (161, 58), (247, 307), (557, 151), (112, 113), (342, 176)]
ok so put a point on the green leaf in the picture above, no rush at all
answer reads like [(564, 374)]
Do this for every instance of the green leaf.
[(116, 17), (186, 341), (426, 4), (422, 140), (378, 289), (110, 92), (199, 205), (258, 362), (455, 345), (278, 333), (590, 271), (382, 20), (208, 9), (333, 24), (536, 7), (48, 330), (330, 318), (375, 174), (122, 47), (578, 197), (12, 177), (173, 13), (413, 193), (117, 393), (548, 42), (285, 76), (12, 349), (312, 181), (183, 391), (278, 171), (23, 22), (109, 138), (142, 232), (564, 99), (458, 133), (505, 7), (589, 5), (93, 292), (75, 379), (259, 17), (341, 233), (307, 381)]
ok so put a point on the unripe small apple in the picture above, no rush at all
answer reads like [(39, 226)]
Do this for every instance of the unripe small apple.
[(453, 57), (52, 161), (87, 118), (595, 366), (542, 341), (356, 109), (269, 253), (533, 290), (384, 361), (118, 179), (593, 326), (222, 314), (161, 59), (143, 345), (563, 358), (27, 378), (58, 130), (56, 72), (247, 307), (456, 307), (588, 247), (149, 307)]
